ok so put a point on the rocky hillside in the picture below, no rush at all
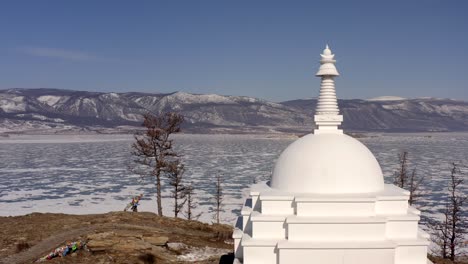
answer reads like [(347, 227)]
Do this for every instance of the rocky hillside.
[(54, 110), (117, 237)]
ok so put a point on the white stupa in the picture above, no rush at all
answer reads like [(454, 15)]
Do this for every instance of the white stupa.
[(327, 202)]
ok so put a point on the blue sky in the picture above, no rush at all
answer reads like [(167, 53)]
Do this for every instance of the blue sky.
[(267, 49)]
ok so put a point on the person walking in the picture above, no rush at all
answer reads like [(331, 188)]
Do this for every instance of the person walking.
[(133, 205)]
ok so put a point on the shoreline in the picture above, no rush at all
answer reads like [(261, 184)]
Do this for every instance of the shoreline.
[(10, 136)]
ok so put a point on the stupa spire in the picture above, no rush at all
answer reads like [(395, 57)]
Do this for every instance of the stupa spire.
[(327, 115)]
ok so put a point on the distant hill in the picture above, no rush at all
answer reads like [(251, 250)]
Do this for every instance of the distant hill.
[(402, 115), (62, 111)]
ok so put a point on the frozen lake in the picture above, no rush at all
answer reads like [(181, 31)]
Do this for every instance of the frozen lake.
[(88, 173)]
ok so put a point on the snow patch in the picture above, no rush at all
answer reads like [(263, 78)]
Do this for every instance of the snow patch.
[(132, 117), (400, 106), (199, 98), (387, 98), (49, 100), (41, 117), (200, 254), (12, 104)]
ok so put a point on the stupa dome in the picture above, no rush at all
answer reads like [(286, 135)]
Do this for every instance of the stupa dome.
[(327, 163)]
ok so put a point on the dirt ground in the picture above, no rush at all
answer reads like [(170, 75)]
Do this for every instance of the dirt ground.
[(438, 260), (116, 237)]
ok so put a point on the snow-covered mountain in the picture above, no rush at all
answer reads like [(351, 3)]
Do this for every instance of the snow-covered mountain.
[(402, 115), (54, 110)]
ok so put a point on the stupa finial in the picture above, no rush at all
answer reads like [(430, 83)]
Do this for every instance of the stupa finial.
[(326, 51), (327, 115)]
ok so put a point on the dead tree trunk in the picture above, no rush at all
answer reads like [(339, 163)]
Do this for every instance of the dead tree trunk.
[(218, 198), (402, 174), (191, 203), (158, 192), (175, 172)]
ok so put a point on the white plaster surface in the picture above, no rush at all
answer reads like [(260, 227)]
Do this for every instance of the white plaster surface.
[(277, 207), (358, 231), (333, 208), (327, 236), (327, 163), (260, 255), (337, 256)]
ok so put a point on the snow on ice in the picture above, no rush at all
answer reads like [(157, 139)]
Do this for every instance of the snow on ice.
[(84, 174)]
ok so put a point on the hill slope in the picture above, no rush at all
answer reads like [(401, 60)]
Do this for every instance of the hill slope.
[(116, 237)]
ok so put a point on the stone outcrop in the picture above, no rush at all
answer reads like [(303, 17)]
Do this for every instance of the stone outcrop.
[(124, 241)]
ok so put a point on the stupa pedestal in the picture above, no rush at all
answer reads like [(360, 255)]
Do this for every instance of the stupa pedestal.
[(327, 202), (288, 228)]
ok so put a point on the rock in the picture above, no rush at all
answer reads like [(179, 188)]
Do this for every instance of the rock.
[(100, 236), (176, 246), (100, 245), (130, 246), (74, 254), (156, 241), (164, 255), (129, 234), (125, 242)]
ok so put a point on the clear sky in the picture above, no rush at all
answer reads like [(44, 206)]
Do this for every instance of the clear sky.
[(267, 49)]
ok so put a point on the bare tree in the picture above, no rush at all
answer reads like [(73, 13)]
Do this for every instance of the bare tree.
[(152, 149), (440, 232), (191, 203), (175, 171), (401, 175), (409, 181), (414, 187), (457, 221), (218, 198), (450, 231)]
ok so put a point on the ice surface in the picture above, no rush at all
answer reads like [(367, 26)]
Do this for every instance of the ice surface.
[(83, 174)]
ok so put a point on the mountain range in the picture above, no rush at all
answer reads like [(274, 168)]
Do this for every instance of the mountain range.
[(63, 111)]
